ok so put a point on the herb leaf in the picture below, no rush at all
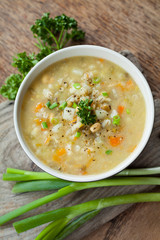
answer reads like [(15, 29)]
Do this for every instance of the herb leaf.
[(85, 112), (24, 63), (11, 86), (51, 34)]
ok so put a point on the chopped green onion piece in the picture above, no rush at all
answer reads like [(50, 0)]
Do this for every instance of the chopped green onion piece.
[(105, 94), (74, 105), (54, 120), (108, 152), (77, 85), (44, 125), (127, 111), (53, 105), (116, 120), (78, 134), (63, 105), (96, 80), (48, 104)]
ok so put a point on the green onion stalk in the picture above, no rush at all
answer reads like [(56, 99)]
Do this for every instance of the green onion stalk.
[(75, 211), (13, 174), (118, 181), (78, 222), (61, 228)]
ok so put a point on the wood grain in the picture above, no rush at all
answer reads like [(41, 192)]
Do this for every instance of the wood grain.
[(118, 25)]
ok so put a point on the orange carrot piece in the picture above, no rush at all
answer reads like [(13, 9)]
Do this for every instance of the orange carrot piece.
[(129, 84), (61, 151), (39, 106), (56, 158), (101, 60), (75, 138), (46, 142), (58, 155), (121, 86), (84, 172), (88, 151), (38, 145), (120, 109), (37, 121), (115, 141)]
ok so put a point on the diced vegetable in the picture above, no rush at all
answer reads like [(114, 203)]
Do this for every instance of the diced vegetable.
[(44, 125), (101, 60), (113, 113), (46, 142), (106, 122), (115, 141), (56, 127), (127, 111), (48, 104), (61, 151), (54, 120), (68, 113), (77, 85), (101, 114), (96, 80), (63, 105), (108, 152), (57, 156), (129, 84), (74, 105), (120, 109), (54, 105), (77, 71), (116, 120), (78, 134), (105, 94), (39, 106), (47, 93)]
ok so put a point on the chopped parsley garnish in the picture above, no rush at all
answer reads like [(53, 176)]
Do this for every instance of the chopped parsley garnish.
[(85, 112), (127, 111), (108, 152)]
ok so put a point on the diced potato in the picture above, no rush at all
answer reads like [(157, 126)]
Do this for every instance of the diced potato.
[(47, 93), (57, 127), (106, 122), (68, 113), (76, 126), (101, 114), (35, 132), (114, 113), (77, 71)]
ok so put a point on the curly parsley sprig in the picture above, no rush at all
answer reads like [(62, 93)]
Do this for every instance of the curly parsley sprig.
[(52, 35)]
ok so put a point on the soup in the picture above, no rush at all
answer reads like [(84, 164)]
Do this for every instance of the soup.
[(83, 115)]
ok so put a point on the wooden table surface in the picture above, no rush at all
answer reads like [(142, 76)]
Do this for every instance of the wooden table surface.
[(119, 25)]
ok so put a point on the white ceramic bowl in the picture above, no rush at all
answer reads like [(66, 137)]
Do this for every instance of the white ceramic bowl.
[(100, 52)]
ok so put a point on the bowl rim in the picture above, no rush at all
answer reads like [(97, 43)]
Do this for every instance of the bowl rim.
[(149, 112)]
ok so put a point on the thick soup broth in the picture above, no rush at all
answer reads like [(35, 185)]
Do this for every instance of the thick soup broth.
[(83, 115)]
